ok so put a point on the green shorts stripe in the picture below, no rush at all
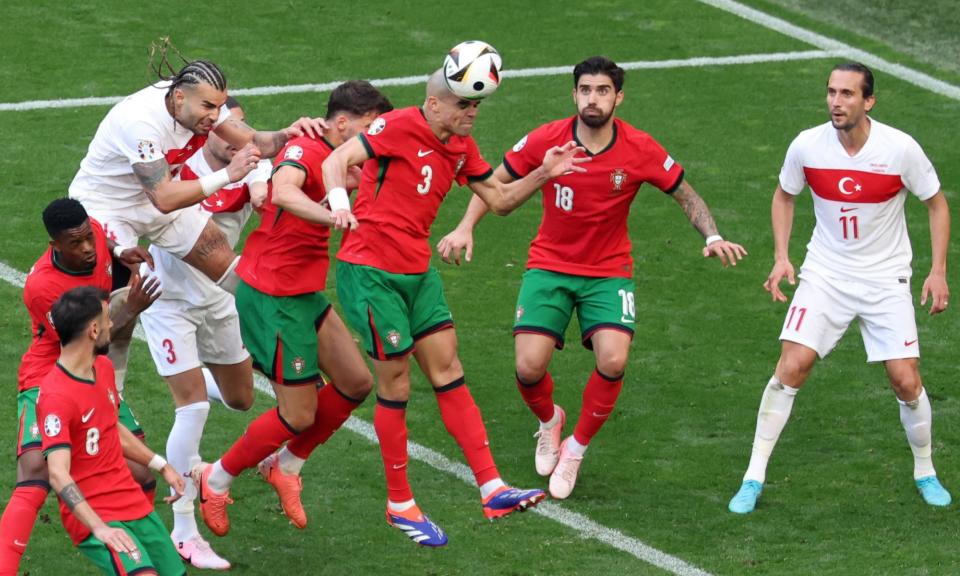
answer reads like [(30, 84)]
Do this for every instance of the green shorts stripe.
[(280, 332), (28, 431), (548, 299), (390, 311)]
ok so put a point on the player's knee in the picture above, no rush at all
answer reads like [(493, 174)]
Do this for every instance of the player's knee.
[(906, 386), (299, 418), (32, 466), (358, 386), (240, 401), (531, 370), (792, 370), (612, 363)]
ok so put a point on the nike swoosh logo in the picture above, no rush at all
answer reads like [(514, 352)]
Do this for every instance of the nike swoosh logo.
[(595, 415), (421, 153), (909, 342), (845, 209), (19, 543), (87, 416), (399, 466)]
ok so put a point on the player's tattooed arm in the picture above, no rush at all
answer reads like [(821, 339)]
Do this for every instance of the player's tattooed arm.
[(165, 194), (239, 133), (696, 209), (71, 495)]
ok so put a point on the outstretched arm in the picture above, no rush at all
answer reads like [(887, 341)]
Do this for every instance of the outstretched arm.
[(168, 195), (504, 198), (238, 133), (288, 194), (335, 169), (936, 283), (781, 216), (460, 239), (701, 219)]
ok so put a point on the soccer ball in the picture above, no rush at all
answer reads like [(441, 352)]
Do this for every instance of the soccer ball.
[(472, 69)]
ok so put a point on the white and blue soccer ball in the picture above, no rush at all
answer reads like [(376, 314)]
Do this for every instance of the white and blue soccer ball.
[(472, 69)]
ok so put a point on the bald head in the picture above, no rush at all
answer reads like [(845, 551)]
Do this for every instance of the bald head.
[(437, 86)]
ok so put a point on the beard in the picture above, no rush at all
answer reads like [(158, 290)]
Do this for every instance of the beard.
[(595, 121)]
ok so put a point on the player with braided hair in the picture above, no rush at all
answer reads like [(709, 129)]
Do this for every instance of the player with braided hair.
[(126, 179)]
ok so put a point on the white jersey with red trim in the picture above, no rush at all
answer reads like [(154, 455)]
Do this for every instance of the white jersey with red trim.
[(137, 129), (230, 208), (861, 230)]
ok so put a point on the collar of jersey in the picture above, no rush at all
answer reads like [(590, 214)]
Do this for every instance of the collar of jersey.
[(613, 139), (65, 270)]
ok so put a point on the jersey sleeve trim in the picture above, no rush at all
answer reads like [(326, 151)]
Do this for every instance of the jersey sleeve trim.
[(60, 446), (676, 184), (481, 177), (510, 169), (366, 144), (288, 163)]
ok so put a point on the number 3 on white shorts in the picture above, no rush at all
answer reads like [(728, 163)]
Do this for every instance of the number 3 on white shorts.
[(629, 306)]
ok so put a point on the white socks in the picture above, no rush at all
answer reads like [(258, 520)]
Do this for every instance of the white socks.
[(288, 462), (183, 452), (219, 479), (552, 422), (775, 407), (917, 420), (574, 447), (490, 486), (401, 506)]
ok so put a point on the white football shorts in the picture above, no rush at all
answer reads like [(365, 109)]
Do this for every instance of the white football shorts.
[(176, 232), (822, 310), (183, 337)]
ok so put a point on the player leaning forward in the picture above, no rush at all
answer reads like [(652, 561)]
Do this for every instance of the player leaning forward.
[(126, 179), (393, 297), (580, 259), (857, 267), (102, 507)]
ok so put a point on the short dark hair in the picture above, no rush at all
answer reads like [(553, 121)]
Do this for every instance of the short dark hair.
[(599, 65), (63, 214), (867, 86), (233, 103), (75, 309), (357, 97)]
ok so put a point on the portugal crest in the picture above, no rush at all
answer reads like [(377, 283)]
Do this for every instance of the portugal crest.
[(394, 337), (298, 365), (618, 178), (460, 162)]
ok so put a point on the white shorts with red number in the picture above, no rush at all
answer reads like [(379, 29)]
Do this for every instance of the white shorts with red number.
[(822, 309), (176, 232), (183, 337)]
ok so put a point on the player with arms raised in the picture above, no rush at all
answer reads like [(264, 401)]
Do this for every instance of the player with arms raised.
[(393, 297), (102, 508), (857, 268), (288, 325), (580, 259)]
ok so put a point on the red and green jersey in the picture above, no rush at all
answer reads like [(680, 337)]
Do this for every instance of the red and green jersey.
[(47, 281), (81, 416), (286, 255), (584, 226), (409, 173)]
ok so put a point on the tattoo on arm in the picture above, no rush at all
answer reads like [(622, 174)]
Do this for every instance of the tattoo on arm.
[(151, 175), (71, 495), (695, 209), (269, 143)]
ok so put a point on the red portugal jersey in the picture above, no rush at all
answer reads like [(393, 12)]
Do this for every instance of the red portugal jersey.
[(46, 282), (287, 255), (406, 178), (584, 226), (81, 416)]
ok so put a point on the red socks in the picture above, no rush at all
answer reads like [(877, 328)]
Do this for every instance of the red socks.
[(390, 422), (262, 437), (538, 396), (462, 418), (599, 398), (333, 409), (17, 523)]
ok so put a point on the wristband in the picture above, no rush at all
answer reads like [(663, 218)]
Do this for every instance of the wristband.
[(214, 182), (714, 238), (157, 462), (118, 250), (338, 199)]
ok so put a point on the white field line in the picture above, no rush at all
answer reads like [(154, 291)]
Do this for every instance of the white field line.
[(581, 524), (414, 80), (839, 48)]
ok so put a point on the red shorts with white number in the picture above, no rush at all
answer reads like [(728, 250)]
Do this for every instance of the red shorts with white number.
[(823, 308), (182, 337)]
